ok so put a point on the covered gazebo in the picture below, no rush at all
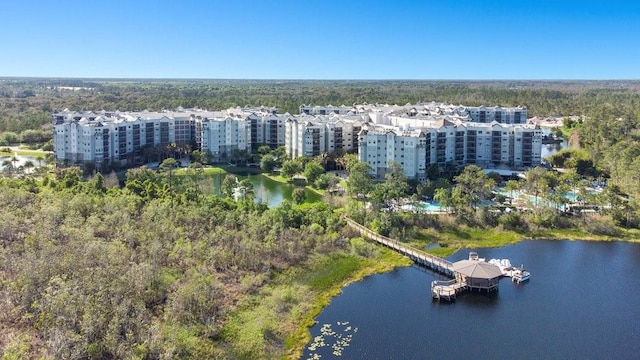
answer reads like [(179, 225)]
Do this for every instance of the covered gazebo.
[(477, 274)]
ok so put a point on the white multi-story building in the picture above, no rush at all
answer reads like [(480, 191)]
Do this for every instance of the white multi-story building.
[(507, 115), (304, 136), (445, 142), (325, 110), (380, 112), (122, 137), (308, 135), (415, 136), (380, 145), (221, 136), (114, 136), (267, 126)]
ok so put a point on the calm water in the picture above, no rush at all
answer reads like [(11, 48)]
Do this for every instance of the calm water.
[(266, 190), (21, 160), (550, 149), (581, 303)]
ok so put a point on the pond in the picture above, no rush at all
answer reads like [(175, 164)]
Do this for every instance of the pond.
[(581, 302), (550, 149), (266, 190), (21, 160)]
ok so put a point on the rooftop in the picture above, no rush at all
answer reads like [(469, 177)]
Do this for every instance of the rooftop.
[(477, 269)]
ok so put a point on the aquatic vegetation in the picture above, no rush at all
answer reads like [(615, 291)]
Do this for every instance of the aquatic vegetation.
[(334, 340)]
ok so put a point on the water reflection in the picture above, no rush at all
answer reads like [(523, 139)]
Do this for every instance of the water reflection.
[(550, 149), (271, 192), (580, 303)]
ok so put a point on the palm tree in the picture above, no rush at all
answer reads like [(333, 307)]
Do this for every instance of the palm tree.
[(196, 170), (169, 164), (8, 167), (322, 159), (536, 182), (512, 186), (39, 159), (28, 165), (49, 159)]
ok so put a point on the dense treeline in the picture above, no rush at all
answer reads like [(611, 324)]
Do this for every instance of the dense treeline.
[(27, 103), (145, 271), (543, 202), (607, 146)]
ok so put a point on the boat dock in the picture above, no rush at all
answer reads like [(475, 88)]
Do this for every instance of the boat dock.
[(472, 274), (516, 274), (435, 263), (446, 290)]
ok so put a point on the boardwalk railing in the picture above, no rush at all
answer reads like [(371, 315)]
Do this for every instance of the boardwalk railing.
[(420, 257)]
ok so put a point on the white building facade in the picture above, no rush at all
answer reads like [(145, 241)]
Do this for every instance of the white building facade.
[(121, 138), (415, 136), (447, 143), (312, 135)]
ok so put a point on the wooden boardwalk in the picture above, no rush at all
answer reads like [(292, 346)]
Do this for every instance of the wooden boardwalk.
[(432, 262), (445, 290)]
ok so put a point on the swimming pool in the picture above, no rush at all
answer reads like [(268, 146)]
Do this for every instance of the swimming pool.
[(424, 207)]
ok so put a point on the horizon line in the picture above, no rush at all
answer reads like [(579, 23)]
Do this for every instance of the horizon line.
[(308, 79)]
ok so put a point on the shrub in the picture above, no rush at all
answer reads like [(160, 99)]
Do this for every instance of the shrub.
[(486, 217), (361, 247), (602, 225), (547, 218), (512, 221), (324, 181)]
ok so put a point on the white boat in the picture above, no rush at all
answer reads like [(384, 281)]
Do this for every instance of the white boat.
[(503, 264), (519, 275), (473, 256)]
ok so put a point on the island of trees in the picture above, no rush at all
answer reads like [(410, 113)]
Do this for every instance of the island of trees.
[(162, 264)]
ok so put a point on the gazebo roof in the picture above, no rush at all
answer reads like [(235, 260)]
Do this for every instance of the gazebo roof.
[(477, 269)]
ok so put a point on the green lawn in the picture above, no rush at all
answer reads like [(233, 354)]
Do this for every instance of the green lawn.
[(452, 239), (207, 170), (21, 152), (278, 178), (240, 170), (284, 180)]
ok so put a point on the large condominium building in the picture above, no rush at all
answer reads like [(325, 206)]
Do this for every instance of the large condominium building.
[(115, 137), (220, 137), (445, 142), (507, 115), (381, 112), (267, 126), (416, 136), (380, 145), (308, 135), (325, 110)]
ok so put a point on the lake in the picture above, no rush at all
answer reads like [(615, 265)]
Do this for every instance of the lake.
[(581, 303), (21, 160), (550, 149), (266, 190)]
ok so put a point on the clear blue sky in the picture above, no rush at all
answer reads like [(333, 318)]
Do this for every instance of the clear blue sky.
[(324, 39)]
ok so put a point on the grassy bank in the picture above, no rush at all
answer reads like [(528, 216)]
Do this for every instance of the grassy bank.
[(21, 152), (286, 308), (284, 180), (238, 170), (629, 235), (452, 239), (206, 170)]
